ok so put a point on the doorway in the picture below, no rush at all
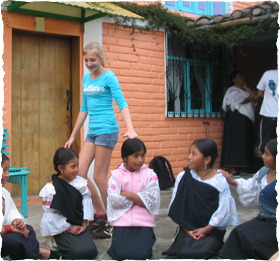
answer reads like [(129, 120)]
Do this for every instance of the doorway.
[(41, 103)]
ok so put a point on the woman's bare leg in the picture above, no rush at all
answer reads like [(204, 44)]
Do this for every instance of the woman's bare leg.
[(102, 163), (87, 155)]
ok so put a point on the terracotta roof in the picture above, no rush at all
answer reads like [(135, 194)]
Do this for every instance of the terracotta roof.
[(252, 14), (237, 5)]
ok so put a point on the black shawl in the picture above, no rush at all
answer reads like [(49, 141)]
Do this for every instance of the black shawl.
[(68, 201), (194, 203)]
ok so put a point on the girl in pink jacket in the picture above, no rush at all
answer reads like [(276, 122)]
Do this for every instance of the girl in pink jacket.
[(133, 203)]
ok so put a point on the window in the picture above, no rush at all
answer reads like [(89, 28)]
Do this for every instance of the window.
[(198, 7), (196, 79)]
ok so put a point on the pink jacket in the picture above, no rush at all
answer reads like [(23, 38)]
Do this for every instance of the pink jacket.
[(136, 182)]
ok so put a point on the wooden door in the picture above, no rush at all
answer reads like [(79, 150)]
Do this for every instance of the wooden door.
[(41, 109)]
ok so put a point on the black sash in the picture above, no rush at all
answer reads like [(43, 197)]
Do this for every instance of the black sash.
[(68, 201), (194, 203)]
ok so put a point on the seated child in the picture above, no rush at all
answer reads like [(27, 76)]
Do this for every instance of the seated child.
[(133, 202), (18, 239), (256, 239), (201, 205), (67, 209)]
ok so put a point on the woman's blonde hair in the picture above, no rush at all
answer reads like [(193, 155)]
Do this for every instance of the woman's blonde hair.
[(96, 48)]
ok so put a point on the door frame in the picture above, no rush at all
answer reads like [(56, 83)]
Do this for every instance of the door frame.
[(74, 30)]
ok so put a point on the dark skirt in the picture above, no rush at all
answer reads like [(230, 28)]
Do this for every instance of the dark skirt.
[(76, 247), (132, 243), (254, 239), (185, 247), (17, 246), (238, 141)]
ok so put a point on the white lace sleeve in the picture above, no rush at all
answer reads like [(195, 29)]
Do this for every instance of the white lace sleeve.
[(117, 205), (247, 190), (150, 195)]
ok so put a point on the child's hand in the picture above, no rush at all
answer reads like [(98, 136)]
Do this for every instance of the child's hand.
[(228, 177), (74, 229), (194, 235), (81, 230), (133, 197), (225, 173), (83, 227), (201, 232), (25, 232), (197, 234), (125, 194), (19, 224)]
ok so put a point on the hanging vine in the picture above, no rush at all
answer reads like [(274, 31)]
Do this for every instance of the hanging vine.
[(158, 17)]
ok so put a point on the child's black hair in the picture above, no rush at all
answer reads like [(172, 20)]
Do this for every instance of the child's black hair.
[(272, 147), (4, 158), (207, 147), (130, 146), (62, 156)]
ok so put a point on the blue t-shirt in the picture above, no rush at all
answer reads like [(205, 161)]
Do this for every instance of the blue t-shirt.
[(98, 95)]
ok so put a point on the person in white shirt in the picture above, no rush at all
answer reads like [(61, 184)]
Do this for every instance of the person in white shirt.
[(267, 88), (18, 238), (256, 238)]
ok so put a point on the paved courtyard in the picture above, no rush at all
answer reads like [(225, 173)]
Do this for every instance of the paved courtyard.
[(164, 231)]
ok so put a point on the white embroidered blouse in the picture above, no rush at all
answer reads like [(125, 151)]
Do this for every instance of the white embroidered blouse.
[(226, 214), (53, 222), (248, 190)]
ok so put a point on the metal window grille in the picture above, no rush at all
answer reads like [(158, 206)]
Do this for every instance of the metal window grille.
[(196, 79)]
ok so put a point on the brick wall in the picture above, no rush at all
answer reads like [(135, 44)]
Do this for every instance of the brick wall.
[(138, 60)]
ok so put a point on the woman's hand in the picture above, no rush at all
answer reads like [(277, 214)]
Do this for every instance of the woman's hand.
[(253, 95), (131, 134), (69, 143)]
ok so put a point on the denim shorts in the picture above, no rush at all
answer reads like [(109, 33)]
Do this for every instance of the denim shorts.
[(107, 140)]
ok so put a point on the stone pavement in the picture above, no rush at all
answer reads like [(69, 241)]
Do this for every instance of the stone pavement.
[(164, 231)]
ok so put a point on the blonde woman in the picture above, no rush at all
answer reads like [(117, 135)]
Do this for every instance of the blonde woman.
[(100, 88)]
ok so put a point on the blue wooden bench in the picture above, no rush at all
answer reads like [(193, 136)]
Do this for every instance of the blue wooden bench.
[(4, 145), (17, 176)]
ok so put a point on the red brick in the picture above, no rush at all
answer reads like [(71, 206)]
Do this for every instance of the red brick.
[(128, 58), (119, 64), (143, 84)]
